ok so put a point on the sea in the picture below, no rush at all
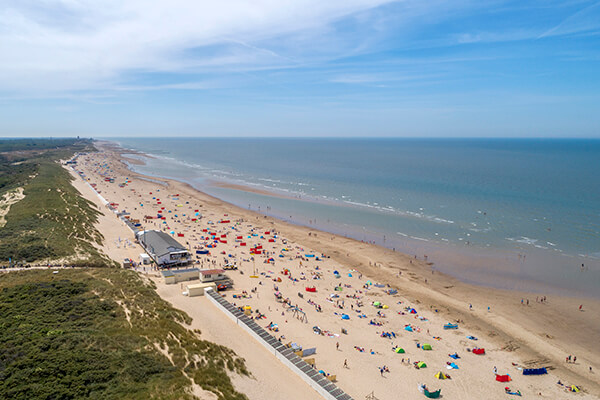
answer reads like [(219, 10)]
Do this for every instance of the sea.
[(519, 214)]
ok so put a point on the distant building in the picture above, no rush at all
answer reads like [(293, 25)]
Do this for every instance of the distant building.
[(163, 249)]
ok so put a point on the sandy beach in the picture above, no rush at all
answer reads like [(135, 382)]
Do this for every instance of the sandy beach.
[(516, 329)]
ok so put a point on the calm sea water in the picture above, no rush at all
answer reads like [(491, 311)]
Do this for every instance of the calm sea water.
[(515, 213)]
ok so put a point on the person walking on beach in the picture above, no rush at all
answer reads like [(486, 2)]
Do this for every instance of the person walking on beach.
[(574, 359), (337, 345), (346, 363)]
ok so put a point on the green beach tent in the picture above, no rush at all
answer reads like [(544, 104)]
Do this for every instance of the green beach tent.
[(421, 364), (399, 350), (432, 395), (426, 346)]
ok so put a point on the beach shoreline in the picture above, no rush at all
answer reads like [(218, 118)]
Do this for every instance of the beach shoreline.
[(511, 266), (538, 330)]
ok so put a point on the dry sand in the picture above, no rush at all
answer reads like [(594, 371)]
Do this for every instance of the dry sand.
[(514, 335)]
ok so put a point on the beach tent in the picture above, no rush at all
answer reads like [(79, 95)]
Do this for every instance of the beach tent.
[(452, 366), (408, 328), (575, 389), (421, 364), (426, 346), (451, 326), (441, 375), (432, 395), (345, 316), (413, 311), (479, 352), (399, 350), (503, 378), (377, 304)]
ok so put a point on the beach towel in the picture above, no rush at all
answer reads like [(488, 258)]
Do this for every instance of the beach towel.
[(535, 371), (455, 356), (503, 378)]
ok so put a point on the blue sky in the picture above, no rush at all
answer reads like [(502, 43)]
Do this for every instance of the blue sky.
[(300, 68)]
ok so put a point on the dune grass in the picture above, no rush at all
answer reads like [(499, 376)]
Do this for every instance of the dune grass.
[(98, 333), (53, 222)]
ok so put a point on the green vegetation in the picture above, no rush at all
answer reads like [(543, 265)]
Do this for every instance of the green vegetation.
[(10, 145), (102, 333), (53, 222)]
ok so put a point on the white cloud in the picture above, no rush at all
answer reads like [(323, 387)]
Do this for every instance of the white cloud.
[(69, 45), (586, 20)]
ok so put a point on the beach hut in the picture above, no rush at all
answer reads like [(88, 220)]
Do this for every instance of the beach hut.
[(145, 259), (198, 289), (426, 346)]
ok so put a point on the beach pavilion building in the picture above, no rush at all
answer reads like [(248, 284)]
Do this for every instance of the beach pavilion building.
[(163, 249)]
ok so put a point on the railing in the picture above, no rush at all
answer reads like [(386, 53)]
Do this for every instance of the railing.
[(285, 354)]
